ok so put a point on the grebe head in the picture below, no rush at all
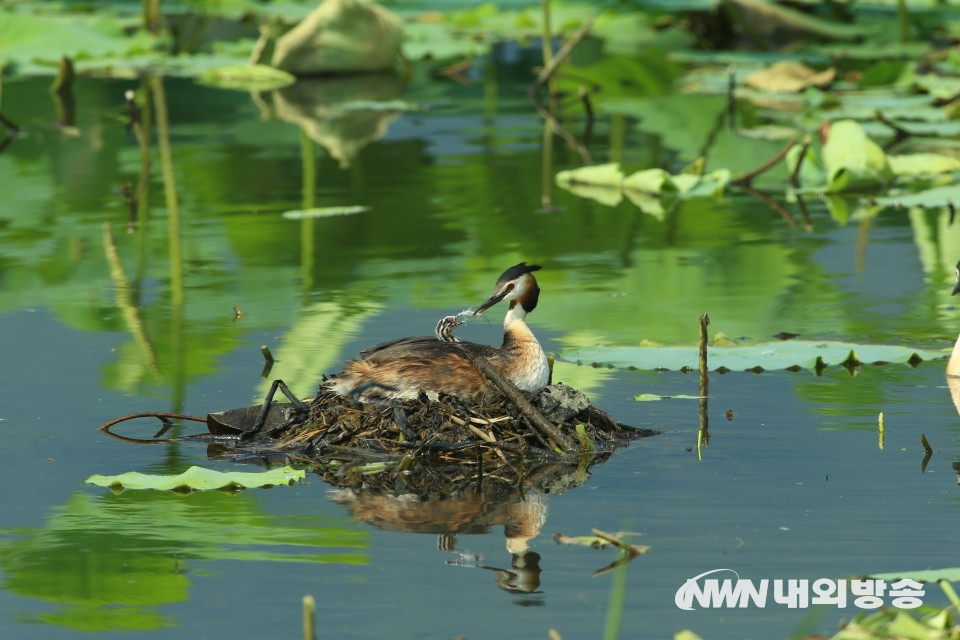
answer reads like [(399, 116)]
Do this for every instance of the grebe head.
[(516, 284), (956, 288)]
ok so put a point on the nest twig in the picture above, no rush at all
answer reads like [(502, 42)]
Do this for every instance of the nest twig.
[(440, 447)]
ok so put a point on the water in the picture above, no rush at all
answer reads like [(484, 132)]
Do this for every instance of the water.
[(99, 322)]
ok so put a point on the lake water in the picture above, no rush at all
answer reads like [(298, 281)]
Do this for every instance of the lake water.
[(100, 318)]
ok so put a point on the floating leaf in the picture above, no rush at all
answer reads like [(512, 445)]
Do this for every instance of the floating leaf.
[(655, 181), (248, 77), (439, 42), (602, 540), (769, 355), (595, 542), (601, 175), (600, 183), (918, 164), (929, 199), (606, 184), (652, 397), (951, 574), (199, 479), (789, 76), (47, 37), (324, 212)]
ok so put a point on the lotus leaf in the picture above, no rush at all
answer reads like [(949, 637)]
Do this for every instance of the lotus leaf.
[(769, 355), (199, 479)]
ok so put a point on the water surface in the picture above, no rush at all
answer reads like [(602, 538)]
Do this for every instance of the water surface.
[(99, 320)]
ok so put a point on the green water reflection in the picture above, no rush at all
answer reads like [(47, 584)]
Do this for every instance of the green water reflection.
[(455, 192), (109, 562)]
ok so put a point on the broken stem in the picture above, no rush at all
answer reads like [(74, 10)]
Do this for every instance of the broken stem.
[(551, 67), (309, 608), (795, 174), (703, 433), (588, 110), (704, 372), (530, 412)]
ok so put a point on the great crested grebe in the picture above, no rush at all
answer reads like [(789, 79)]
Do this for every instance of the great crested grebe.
[(953, 364), (437, 364)]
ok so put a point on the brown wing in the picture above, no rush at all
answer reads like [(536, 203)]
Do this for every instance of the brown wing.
[(422, 347)]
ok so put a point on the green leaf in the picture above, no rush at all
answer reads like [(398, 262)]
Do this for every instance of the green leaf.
[(199, 479), (811, 171), (601, 175), (852, 160), (653, 181), (438, 42), (950, 574), (929, 199), (905, 626), (605, 183), (652, 397), (324, 212), (918, 164), (247, 77), (769, 355), (44, 37), (600, 183)]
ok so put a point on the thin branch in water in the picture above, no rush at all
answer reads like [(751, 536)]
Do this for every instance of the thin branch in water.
[(747, 178), (588, 109), (795, 174), (561, 55), (731, 97), (718, 123), (568, 137), (10, 124), (773, 204), (163, 417), (804, 213), (12, 135), (899, 133)]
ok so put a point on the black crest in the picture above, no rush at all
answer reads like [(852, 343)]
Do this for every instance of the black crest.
[(516, 271)]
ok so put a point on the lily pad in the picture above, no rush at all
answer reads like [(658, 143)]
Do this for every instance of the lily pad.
[(805, 354), (789, 76), (606, 184), (929, 199), (951, 574), (324, 212), (247, 77), (919, 164), (199, 479), (26, 37)]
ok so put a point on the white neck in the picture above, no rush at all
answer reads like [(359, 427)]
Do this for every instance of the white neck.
[(953, 364), (515, 314)]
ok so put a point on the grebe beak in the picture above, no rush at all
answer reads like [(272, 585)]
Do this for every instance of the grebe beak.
[(497, 297), (956, 289)]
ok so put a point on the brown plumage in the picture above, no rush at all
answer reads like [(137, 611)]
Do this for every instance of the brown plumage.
[(404, 367)]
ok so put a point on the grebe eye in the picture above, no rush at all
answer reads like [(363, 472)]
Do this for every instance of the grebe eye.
[(510, 286)]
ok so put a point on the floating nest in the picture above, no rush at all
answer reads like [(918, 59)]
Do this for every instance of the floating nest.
[(433, 449)]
